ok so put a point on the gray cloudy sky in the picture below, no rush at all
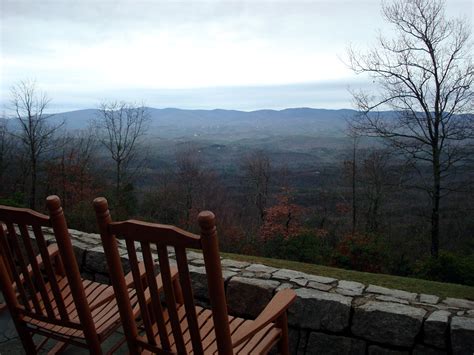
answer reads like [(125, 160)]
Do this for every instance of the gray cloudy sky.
[(190, 54)]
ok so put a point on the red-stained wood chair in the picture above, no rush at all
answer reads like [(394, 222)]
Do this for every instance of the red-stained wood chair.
[(3, 306), (45, 293), (174, 326)]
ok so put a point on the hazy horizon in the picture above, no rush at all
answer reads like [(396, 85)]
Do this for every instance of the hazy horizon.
[(225, 98), (326, 95), (59, 110)]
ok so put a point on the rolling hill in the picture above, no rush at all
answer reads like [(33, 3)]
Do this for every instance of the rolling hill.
[(230, 124)]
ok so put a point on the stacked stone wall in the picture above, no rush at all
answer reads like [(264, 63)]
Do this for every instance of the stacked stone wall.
[(329, 316)]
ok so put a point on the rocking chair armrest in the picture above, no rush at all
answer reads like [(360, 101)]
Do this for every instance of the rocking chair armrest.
[(274, 309)]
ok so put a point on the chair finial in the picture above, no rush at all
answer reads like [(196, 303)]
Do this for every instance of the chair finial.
[(53, 203), (100, 205), (207, 220)]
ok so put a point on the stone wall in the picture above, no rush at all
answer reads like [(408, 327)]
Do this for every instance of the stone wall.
[(329, 316)]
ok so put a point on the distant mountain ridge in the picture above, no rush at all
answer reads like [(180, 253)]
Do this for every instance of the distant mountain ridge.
[(226, 124), (220, 124), (174, 122)]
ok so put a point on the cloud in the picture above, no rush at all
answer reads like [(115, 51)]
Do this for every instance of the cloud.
[(72, 47)]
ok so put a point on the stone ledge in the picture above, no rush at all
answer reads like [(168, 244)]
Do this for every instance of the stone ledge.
[(435, 328), (388, 323), (248, 297), (462, 335), (318, 310), (404, 295)]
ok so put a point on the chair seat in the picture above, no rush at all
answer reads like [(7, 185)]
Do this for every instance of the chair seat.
[(261, 342), (102, 303)]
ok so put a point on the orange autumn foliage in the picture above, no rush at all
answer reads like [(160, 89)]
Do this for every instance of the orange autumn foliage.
[(282, 219), (358, 252), (71, 180)]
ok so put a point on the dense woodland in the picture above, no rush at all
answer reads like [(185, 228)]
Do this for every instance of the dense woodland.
[(344, 201)]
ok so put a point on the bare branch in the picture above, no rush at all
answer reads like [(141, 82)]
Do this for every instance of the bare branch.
[(119, 127), (36, 132)]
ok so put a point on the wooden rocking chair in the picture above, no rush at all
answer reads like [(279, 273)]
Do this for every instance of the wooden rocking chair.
[(173, 324), (45, 293)]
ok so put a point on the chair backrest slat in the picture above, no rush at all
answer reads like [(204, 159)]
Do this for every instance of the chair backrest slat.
[(12, 269), (188, 296), (155, 296), (132, 255), (19, 259), (50, 272), (38, 277), (165, 272)]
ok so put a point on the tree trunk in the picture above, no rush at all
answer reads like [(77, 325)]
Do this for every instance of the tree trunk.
[(435, 204), (117, 180), (189, 206), (64, 198), (354, 205), (33, 184)]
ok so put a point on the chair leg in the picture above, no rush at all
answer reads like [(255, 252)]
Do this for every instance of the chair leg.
[(26, 338), (178, 293), (283, 343), (93, 344)]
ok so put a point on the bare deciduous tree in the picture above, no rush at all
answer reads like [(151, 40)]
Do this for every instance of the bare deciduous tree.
[(5, 150), (375, 178), (191, 179), (35, 131), (257, 170), (120, 126), (425, 74), (351, 168), (69, 172)]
